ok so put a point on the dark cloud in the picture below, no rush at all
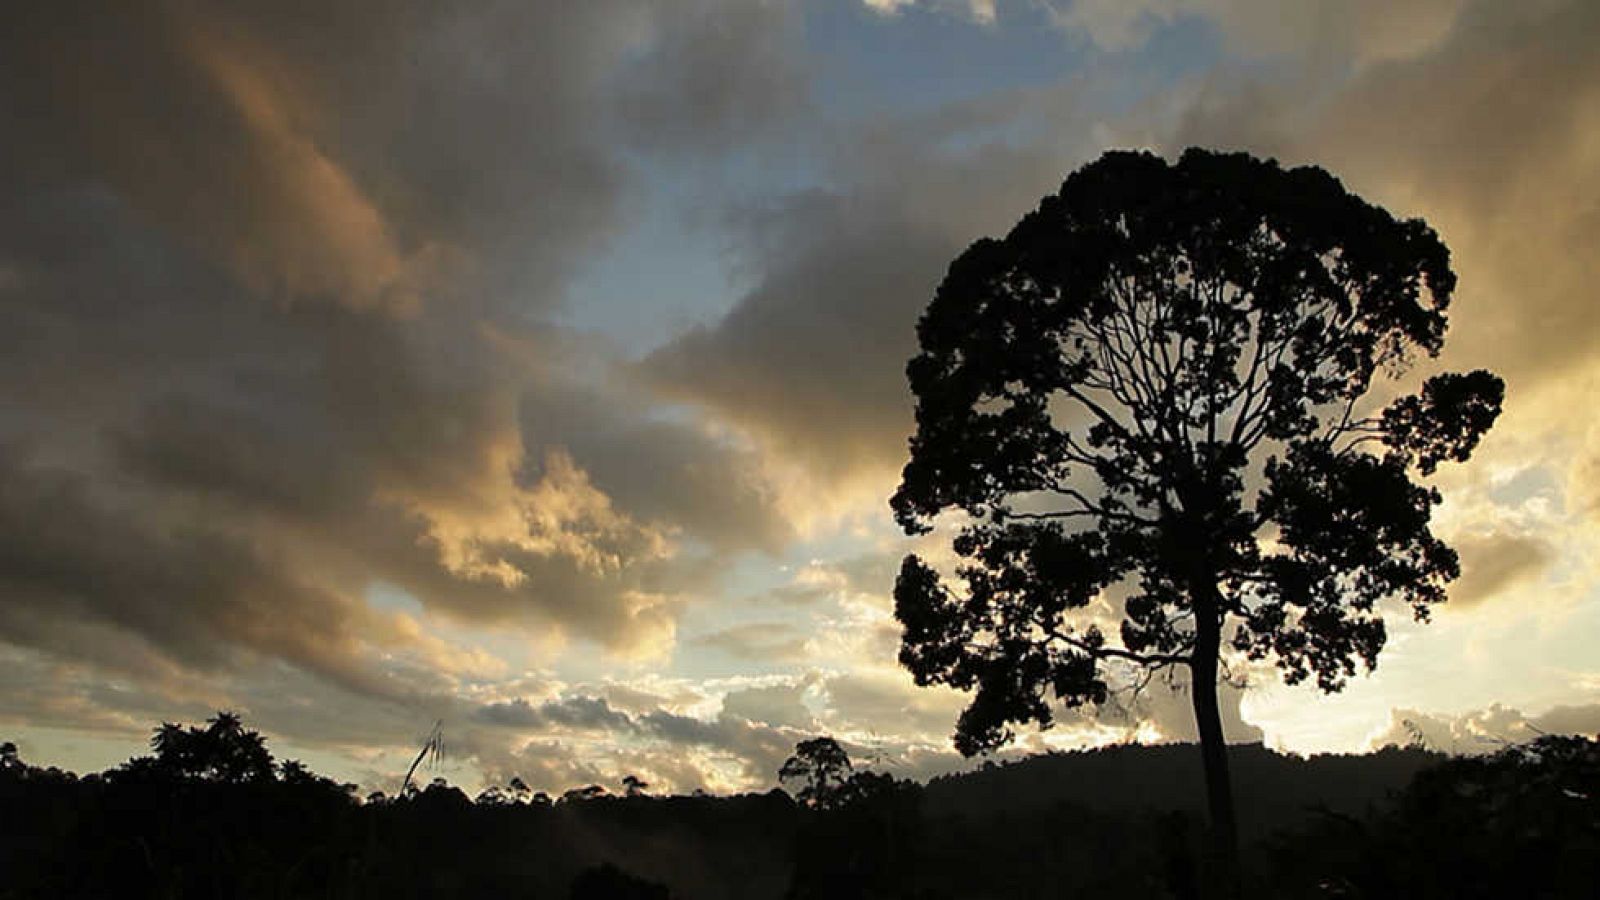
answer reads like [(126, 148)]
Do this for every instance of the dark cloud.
[(679, 750), (552, 766), (1508, 177), (779, 705), (758, 750), (274, 276), (1493, 563), (1487, 132), (1581, 719), (196, 595), (583, 713), (679, 96)]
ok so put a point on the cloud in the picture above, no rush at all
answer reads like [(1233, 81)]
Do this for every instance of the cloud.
[(1167, 707), (277, 279), (768, 642), (1364, 31), (193, 129), (887, 704), (1507, 178), (809, 363), (584, 713), (1581, 719), (779, 705), (1484, 730), (196, 596), (679, 95), (980, 11), (1493, 564)]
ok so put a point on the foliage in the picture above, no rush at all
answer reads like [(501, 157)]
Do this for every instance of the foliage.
[(1158, 383), (224, 751), (1522, 823), (580, 794), (821, 766)]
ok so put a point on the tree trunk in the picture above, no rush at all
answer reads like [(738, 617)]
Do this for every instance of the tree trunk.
[(1213, 748)]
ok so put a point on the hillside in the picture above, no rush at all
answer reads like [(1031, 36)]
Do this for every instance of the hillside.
[(1125, 819), (1273, 789)]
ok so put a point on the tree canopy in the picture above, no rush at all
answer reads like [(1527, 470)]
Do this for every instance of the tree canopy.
[(223, 751), (821, 766), (1153, 404)]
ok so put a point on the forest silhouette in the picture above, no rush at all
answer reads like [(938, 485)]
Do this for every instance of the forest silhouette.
[(210, 813)]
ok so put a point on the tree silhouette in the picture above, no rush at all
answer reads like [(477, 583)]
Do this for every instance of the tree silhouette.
[(580, 794), (821, 766), (223, 751), (1157, 390), (634, 786)]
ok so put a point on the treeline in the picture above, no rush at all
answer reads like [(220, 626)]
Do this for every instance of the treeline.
[(210, 813)]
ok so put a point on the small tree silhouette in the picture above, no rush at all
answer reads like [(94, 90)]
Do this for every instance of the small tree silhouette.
[(821, 766), (223, 751), (10, 759), (580, 794), (634, 786)]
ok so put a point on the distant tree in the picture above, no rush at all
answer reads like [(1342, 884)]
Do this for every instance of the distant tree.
[(821, 766), (493, 795), (1155, 390), (589, 792), (634, 786), (1521, 822), (293, 770), (223, 751), (868, 787)]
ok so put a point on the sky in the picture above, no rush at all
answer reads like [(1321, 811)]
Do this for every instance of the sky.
[(537, 368)]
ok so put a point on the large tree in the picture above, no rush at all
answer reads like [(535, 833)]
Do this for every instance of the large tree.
[(1156, 396)]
